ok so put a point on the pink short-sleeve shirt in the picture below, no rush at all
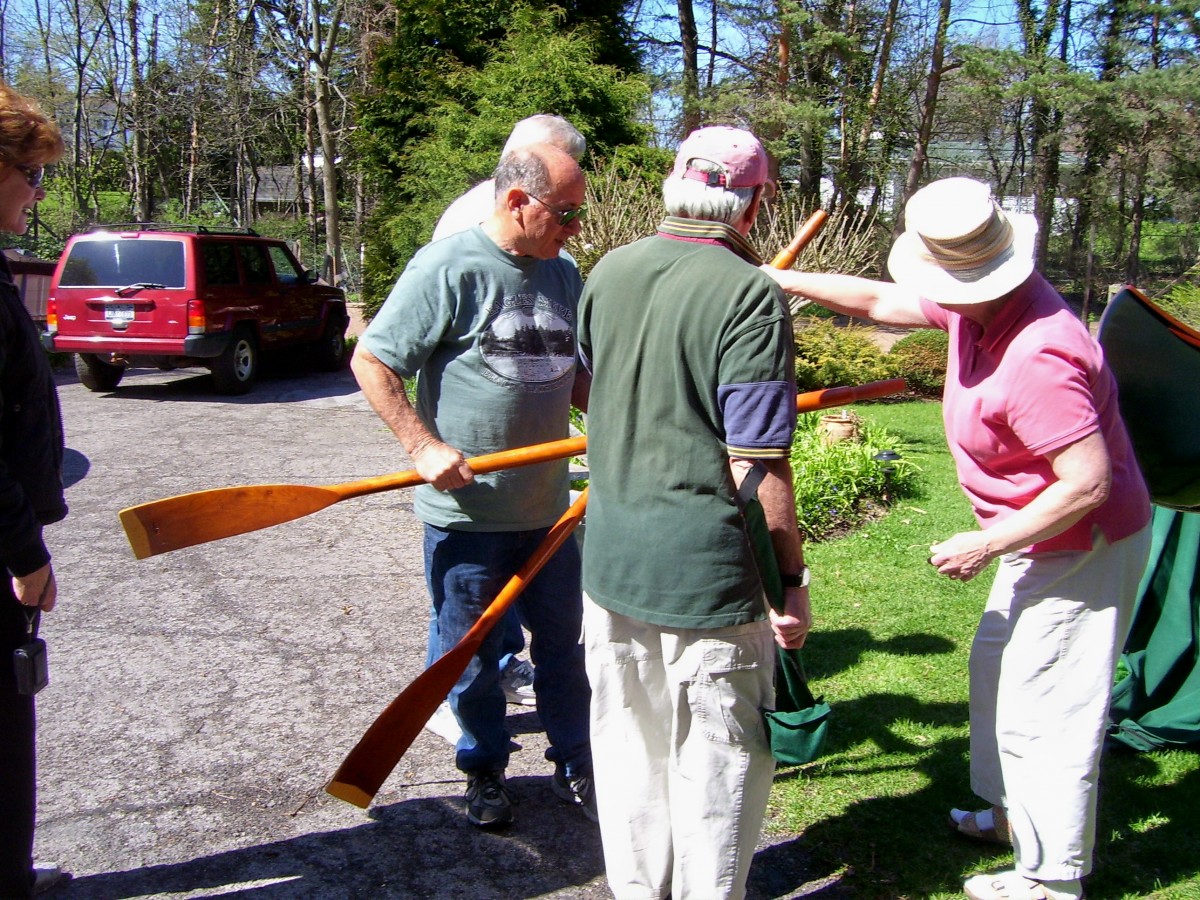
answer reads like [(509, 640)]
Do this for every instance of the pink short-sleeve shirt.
[(1033, 382)]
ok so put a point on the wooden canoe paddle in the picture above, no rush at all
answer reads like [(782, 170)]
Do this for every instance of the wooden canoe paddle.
[(385, 742), (368, 765), (173, 523)]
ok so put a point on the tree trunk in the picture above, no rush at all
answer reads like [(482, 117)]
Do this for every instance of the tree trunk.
[(933, 83), (140, 186), (856, 165), (1137, 212), (322, 59), (690, 41)]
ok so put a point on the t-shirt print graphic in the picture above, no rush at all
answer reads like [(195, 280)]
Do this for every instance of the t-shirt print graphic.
[(529, 343)]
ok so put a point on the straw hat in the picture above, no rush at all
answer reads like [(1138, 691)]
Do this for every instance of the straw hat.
[(959, 246)]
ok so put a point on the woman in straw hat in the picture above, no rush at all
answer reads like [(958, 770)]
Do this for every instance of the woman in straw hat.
[(1031, 416)]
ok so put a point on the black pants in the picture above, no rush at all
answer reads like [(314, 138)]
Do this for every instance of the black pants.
[(17, 791)]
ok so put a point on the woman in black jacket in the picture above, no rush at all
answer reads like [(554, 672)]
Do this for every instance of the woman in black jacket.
[(31, 489)]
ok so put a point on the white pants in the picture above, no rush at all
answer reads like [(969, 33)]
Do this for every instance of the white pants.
[(1041, 677), (682, 765)]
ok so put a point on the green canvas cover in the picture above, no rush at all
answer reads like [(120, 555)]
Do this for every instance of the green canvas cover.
[(1157, 704), (1156, 361)]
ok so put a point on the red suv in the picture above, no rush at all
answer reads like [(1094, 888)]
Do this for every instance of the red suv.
[(172, 296)]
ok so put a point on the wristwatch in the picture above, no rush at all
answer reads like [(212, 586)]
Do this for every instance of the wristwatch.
[(796, 581)]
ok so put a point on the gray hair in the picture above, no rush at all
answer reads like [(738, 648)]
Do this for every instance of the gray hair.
[(690, 199), (547, 129), (525, 169)]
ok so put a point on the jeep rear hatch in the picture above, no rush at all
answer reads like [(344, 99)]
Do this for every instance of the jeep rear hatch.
[(123, 287)]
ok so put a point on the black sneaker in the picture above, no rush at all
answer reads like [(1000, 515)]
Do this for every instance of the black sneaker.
[(579, 790), (488, 802)]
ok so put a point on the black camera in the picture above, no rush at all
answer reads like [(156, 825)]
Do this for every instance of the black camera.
[(31, 668)]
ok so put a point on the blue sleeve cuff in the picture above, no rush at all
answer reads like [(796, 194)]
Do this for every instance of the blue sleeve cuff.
[(759, 418)]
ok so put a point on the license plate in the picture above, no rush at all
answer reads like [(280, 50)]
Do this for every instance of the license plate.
[(119, 313)]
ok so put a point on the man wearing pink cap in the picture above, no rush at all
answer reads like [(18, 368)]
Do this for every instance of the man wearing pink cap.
[(690, 349)]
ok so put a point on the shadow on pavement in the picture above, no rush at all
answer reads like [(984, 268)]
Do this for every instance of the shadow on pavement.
[(414, 849)]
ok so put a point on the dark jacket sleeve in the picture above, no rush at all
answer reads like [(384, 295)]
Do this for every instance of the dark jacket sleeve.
[(31, 441)]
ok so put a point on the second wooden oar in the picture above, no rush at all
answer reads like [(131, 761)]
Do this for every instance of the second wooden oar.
[(172, 523), (189, 519), (368, 765)]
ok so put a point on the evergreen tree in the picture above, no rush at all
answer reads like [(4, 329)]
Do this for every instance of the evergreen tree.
[(432, 133)]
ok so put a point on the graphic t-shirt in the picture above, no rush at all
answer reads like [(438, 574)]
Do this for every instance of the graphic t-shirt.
[(490, 338)]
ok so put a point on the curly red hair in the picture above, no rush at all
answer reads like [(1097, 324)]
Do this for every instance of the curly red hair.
[(27, 136)]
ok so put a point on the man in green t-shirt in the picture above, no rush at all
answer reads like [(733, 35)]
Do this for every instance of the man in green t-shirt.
[(485, 321), (690, 349)]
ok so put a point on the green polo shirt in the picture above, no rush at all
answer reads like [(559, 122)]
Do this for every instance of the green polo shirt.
[(691, 351)]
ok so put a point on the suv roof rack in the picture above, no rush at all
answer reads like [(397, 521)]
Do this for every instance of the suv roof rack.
[(163, 226)]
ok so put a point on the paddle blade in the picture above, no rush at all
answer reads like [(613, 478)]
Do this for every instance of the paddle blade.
[(367, 766), (188, 519)]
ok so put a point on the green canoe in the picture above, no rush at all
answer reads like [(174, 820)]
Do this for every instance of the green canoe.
[(1156, 361)]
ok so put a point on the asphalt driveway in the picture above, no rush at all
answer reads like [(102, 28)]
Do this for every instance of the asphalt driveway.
[(200, 700)]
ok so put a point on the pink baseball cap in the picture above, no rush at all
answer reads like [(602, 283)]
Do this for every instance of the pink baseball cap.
[(737, 152)]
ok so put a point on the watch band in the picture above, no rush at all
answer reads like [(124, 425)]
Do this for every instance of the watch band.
[(798, 580)]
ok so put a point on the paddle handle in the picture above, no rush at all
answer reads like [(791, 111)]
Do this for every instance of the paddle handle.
[(480, 465), (786, 257)]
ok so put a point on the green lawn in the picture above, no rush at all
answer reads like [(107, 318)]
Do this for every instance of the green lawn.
[(889, 653)]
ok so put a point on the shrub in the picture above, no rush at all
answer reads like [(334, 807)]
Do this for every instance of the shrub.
[(1183, 302), (920, 359), (840, 485), (829, 355), (849, 242), (624, 205)]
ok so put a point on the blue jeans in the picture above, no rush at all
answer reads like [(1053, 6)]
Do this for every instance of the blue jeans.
[(513, 637), (465, 570)]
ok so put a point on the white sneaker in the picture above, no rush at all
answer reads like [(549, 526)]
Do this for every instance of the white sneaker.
[(444, 724), (1012, 885), (517, 681)]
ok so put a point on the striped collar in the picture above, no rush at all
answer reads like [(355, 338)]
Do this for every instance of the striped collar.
[(705, 232)]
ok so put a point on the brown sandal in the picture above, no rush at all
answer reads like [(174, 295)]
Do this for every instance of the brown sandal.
[(967, 824)]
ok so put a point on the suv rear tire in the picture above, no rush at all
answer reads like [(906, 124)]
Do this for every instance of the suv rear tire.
[(97, 375), (236, 369)]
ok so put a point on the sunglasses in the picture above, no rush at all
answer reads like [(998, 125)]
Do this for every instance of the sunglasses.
[(565, 216), (33, 174)]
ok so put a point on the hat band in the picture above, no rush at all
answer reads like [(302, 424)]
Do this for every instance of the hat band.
[(974, 255)]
